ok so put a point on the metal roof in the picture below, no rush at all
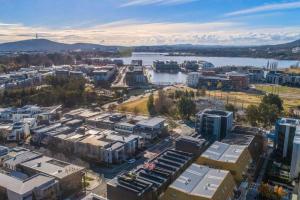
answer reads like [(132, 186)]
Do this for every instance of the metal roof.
[(23, 186), (224, 152), (200, 180)]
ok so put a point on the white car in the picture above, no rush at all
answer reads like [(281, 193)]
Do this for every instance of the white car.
[(131, 161)]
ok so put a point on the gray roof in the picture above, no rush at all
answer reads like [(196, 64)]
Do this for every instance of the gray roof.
[(23, 186), (151, 122), (224, 152), (238, 139), (22, 157), (52, 167), (200, 180)]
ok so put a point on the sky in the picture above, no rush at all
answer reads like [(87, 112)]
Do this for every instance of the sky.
[(152, 22)]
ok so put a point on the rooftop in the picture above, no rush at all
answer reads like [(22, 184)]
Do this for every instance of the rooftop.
[(23, 186), (238, 139), (200, 180), (18, 158), (52, 167), (217, 112), (151, 122), (289, 122), (224, 152)]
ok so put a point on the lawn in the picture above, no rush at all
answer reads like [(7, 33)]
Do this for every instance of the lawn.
[(291, 97), (139, 105)]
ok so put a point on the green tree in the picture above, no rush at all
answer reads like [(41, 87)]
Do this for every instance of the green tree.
[(161, 103), (186, 107), (273, 99), (252, 114), (230, 107), (268, 113), (150, 105)]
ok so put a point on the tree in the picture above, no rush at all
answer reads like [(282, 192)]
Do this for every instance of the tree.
[(230, 107), (161, 103), (273, 99), (186, 107), (268, 113), (192, 94), (252, 114), (150, 105)]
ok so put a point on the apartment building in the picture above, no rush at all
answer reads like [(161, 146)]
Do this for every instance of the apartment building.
[(135, 76), (104, 74), (37, 187), (68, 176), (214, 124), (168, 66), (285, 130)]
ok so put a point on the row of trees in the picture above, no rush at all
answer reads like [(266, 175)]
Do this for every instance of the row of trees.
[(184, 106), (10, 63), (267, 112), (68, 92)]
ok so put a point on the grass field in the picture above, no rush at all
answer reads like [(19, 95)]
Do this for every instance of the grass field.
[(293, 70), (290, 96), (139, 105)]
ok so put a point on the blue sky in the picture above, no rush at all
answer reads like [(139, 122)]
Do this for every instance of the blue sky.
[(152, 22)]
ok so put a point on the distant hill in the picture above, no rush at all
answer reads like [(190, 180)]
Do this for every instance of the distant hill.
[(279, 51), (50, 46)]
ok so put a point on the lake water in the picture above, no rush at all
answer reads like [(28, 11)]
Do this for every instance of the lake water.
[(180, 77)]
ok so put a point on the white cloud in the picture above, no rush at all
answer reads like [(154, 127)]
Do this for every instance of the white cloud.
[(149, 2), (132, 32), (269, 7)]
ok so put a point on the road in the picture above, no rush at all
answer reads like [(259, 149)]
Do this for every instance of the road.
[(120, 80)]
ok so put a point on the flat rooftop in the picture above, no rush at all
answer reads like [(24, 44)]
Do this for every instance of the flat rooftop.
[(220, 151), (23, 186), (18, 158), (151, 122), (52, 167), (216, 112), (200, 180), (289, 122), (238, 139)]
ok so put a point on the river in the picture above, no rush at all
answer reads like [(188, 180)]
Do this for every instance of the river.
[(180, 77)]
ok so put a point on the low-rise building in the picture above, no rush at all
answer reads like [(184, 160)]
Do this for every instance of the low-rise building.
[(135, 76), (17, 156), (151, 128), (193, 79), (37, 187), (70, 177), (239, 80), (194, 145), (234, 158), (168, 66), (150, 181), (104, 74), (200, 182), (190, 66)]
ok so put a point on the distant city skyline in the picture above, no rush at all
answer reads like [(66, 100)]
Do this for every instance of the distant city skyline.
[(152, 22)]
